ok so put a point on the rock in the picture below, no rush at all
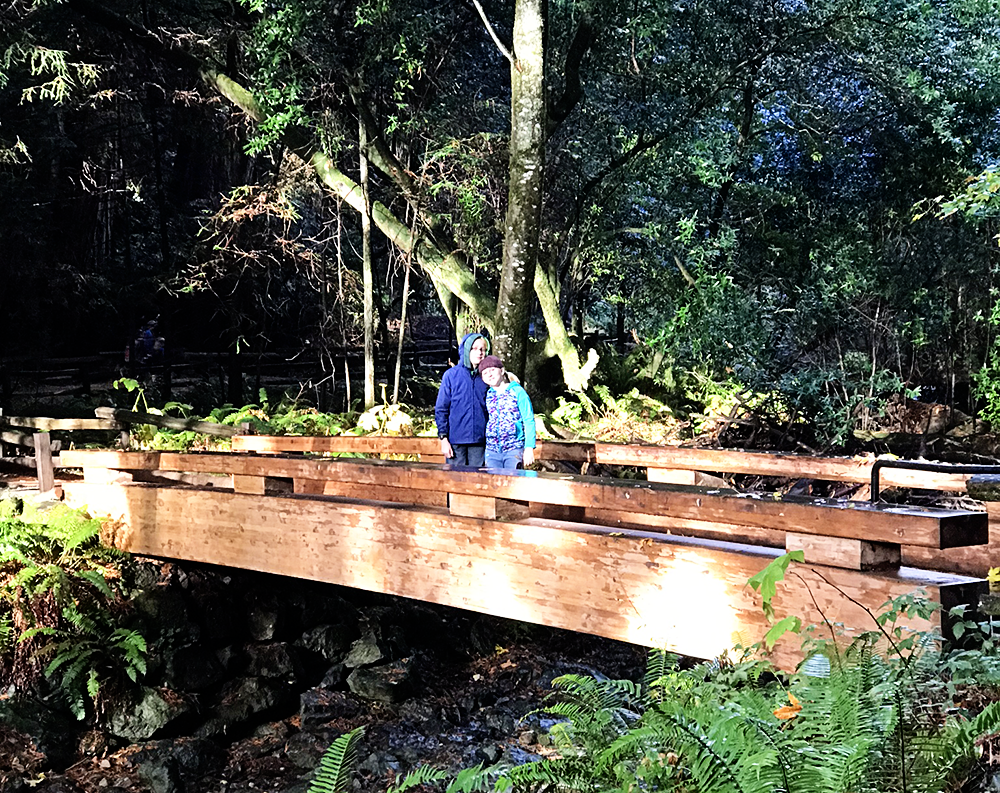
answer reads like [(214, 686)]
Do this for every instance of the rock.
[(318, 706), (155, 709), (304, 750), (271, 660), (53, 733), (193, 668), (334, 676), (244, 699), (364, 651), (263, 620), (489, 753), (175, 766), (380, 764), (386, 683), (165, 612), (329, 641)]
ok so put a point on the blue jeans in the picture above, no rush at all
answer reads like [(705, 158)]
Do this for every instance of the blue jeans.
[(509, 460), (469, 454)]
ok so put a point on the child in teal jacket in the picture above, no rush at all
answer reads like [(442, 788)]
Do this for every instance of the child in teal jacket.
[(510, 430)]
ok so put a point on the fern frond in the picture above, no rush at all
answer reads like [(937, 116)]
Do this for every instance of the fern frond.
[(472, 780), (943, 760), (422, 775), (337, 766), (567, 773), (98, 581)]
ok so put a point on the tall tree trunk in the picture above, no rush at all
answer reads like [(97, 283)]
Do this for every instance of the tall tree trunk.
[(368, 278), (402, 332), (524, 190)]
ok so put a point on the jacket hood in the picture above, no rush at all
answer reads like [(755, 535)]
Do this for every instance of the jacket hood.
[(467, 341)]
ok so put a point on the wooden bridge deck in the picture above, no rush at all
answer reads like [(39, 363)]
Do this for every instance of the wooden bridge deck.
[(593, 555)]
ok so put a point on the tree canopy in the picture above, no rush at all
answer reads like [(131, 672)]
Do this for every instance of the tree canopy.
[(731, 185)]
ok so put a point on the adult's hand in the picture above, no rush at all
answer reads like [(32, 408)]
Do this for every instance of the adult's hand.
[(446, 449), (529, 457)]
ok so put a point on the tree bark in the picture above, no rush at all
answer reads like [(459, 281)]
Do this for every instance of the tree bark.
[(524, 188), (367, 276)]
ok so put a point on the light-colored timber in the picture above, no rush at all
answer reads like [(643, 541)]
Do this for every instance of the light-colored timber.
[(663, 463), (487, 507), (731, 461), (428, 449), (50, 424), (27, 439), (681, 595), (935, 528), (397, 495), (43, 462), (838, 552)]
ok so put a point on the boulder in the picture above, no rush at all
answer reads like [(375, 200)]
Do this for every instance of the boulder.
[(141, 720), (385, 683), (318, 706)]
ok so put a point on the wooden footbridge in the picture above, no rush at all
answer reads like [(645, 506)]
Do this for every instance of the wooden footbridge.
[(656, 563)]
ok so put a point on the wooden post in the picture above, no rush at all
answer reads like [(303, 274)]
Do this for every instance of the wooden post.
[(487, 507), (851, 554), (124, 439), (43, 462)]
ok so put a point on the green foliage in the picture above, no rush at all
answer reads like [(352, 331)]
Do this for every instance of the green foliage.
[(627, 418), (65, 588), (64, 77), (338, 764), (863, 721)]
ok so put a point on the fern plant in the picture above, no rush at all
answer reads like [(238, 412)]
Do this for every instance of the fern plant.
[(337, 765), (61, 601)]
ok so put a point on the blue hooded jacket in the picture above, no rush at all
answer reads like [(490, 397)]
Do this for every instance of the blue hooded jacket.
[(460, 410)]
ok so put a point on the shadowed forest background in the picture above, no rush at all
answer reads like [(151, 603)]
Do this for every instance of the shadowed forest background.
[(773, 209)]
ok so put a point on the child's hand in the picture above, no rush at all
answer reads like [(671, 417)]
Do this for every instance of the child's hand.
[(529, 457)]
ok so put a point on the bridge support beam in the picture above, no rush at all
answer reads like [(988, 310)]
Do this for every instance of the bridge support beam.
[(680, 594)]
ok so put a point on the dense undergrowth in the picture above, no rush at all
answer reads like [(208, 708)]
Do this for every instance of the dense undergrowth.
[(890, 710), (62, 604)]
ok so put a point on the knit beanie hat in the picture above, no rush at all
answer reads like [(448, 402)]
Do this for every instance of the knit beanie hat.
[(490, 362)]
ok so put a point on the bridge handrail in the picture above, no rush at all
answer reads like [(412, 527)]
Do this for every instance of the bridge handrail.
[(655, 458)]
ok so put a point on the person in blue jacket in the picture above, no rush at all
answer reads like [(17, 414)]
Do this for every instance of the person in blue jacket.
[(460, 410), (510, 431)]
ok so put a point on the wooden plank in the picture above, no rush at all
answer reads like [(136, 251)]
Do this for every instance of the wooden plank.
[(337, 444), (680, 596), (936, 528), (27, 439), (674, 476), (850, 554), (167, 422), (253, 485), (49, 424), (973, 561), (732, 461), (429, 449), (397, 495), (487, 508), (703, 529), (43, 462)]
